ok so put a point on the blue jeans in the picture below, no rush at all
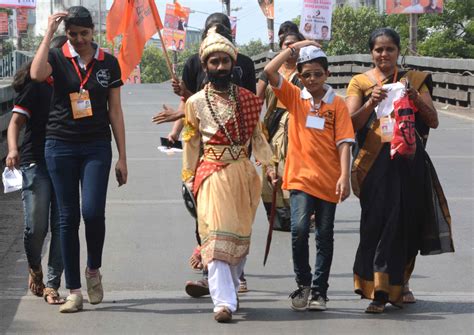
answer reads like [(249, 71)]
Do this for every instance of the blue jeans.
[(87, 165), (40, 212), (303, 206)]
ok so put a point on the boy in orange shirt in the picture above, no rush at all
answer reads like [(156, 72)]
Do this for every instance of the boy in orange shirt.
[(320, 135)]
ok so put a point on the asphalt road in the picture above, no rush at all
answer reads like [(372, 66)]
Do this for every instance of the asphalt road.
[(150, 237)]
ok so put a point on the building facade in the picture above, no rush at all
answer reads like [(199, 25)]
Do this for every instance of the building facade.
[(44, 8)]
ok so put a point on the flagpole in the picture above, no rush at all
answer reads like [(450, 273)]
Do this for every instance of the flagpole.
[(167, 57)]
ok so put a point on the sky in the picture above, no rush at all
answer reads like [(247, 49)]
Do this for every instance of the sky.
[(251, 24)]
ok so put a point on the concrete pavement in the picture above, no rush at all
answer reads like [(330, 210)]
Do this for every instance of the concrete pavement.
[(150, 237)]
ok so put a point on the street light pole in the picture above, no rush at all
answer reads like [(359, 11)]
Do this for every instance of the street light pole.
[(227, 6)]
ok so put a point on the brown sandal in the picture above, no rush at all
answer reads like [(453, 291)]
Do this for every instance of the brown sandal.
[(408, 297), (35, 282), (375, 307), (51, 296)]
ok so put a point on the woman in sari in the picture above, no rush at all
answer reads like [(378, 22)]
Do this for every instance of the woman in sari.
[(223, 119), (404, 210)]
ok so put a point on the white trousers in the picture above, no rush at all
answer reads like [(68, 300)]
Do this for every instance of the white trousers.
[(224, 283)]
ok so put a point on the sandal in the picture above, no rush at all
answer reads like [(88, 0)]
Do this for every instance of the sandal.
[(375, 307), (35, 282), (51, 296), (195, 260), (408, 297)]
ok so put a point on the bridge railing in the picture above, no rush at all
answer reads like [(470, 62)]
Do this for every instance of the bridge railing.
[(13, 61), (453, 79)]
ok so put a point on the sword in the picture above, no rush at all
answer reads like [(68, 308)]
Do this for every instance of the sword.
[(271, 220)]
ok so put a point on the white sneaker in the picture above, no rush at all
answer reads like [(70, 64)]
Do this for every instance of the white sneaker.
[(73, 304), (95, 290), (317, 303)]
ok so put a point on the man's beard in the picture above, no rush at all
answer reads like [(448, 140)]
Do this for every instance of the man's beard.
[(220, 79)]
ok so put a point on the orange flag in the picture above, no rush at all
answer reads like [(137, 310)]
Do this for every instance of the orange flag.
[(137, 21), (178, 10)]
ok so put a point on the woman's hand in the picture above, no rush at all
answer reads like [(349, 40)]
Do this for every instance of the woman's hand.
[(12, 159), (121, 172), (343, 188), (378, 94), (54, 21)]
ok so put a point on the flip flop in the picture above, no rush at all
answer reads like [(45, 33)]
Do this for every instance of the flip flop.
[(51, 296), (375, 307), (408, 297), (35, 282)]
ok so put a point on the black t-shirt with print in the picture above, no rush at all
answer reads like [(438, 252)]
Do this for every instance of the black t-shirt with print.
[(34, 102), (105, 74), (243, 73)]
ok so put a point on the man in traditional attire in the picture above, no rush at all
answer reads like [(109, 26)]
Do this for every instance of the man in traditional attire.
[(221, 121)]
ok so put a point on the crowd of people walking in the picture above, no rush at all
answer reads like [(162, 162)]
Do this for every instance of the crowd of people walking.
[(69, 99)]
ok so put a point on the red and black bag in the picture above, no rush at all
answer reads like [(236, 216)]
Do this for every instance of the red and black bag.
[(404, 134)]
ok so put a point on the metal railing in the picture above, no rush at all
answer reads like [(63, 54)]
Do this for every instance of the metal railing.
[(13, 61), (453, 79)]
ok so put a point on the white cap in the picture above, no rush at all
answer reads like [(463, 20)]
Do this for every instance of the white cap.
[(310, 52)]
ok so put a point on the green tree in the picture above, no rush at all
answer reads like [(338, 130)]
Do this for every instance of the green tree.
[(450, 34), (351, 29), (254, 47), (153, 66)]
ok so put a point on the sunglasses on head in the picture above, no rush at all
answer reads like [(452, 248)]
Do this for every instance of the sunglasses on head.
[(317, 74)]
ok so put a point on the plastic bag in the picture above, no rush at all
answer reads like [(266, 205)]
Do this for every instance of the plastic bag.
[(404, 134), (12, 180)]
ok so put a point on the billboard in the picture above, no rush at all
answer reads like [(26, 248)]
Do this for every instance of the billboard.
[(233, 26), (18, 3), (414, 6), (22, 21), (174, 32), (3, 24), (316, 19)]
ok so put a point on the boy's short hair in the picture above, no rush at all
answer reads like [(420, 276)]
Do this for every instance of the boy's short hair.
[(312, 54)]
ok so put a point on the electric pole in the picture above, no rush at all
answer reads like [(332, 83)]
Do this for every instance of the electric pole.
[(227, 6), (413, 32)]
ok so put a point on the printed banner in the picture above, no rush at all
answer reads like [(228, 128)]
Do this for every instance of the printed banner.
[(174, 32), (316, 19), (233, 26), (414, 6), (3, 24), (135, 76), (268, 8), (22, 21), (18, 3)]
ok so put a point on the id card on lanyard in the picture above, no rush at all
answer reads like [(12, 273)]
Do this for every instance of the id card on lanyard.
[(315, 121), (80, 101), (387, 123)]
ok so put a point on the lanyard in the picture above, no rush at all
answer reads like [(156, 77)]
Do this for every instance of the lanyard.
[(379, 80), (88, 74)]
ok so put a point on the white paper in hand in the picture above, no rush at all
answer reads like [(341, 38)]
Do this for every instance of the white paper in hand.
[(12, 180), (394, 92)]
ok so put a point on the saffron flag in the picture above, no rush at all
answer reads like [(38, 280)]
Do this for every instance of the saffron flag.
[(179, 11), (137, 22)]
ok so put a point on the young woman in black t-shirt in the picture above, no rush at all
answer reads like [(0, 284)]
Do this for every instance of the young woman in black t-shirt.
[(39, 204), (86, 102)]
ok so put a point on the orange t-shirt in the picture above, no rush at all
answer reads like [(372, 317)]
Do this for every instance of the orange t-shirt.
[(312, 163)]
